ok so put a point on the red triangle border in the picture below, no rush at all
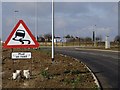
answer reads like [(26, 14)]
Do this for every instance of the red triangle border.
[(21, 46)]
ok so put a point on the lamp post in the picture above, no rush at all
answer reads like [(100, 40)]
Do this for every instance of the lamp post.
[(15, 19), (36, 20), (16, 11), (94, 37)]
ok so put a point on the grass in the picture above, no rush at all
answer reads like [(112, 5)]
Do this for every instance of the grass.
[(45, 74), (86, 45)]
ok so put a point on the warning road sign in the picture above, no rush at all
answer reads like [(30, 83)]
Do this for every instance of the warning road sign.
[(21, 37)]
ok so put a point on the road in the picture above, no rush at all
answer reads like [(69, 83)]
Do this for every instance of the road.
[(104, 64)]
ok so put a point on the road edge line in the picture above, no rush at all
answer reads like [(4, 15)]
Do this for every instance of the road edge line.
[(98, 50), (92, 73), (94, 76)]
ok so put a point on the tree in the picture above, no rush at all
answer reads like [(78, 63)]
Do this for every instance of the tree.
[(88, 39), (67, 36), (48, 37), (117, 38), (99, 38)]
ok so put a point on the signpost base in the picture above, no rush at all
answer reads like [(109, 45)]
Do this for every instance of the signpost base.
[(52, 60)]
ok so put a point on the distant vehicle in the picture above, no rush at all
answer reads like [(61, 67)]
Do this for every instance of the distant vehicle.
[(19, 36)]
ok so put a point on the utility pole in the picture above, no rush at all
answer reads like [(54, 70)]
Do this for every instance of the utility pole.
[(52, 31), (93, 38), (36, 20), (79, 40)]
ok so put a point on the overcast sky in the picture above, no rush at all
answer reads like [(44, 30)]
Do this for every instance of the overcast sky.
[(74, 18)]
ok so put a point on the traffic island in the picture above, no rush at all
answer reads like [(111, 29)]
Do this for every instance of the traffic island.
[(65, 72)]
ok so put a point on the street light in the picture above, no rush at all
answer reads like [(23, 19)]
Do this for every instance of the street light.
[(16, 11), (94, 37), (36, 20)]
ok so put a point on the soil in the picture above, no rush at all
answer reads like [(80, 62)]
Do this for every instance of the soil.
[(64, 72)]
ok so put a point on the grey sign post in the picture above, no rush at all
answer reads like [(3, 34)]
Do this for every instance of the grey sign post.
[(52, 30)]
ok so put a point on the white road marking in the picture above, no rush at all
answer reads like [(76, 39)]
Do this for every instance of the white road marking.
[(98, 54), (97, 50)]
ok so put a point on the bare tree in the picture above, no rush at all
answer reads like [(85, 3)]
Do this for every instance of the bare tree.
[(88, 39), (48, 37), (99, 38), (67, 36), (117, 39)]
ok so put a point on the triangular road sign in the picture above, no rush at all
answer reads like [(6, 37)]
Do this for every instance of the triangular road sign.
[(21, 37)]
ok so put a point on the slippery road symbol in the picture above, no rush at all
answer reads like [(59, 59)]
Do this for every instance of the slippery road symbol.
[(19, 36)]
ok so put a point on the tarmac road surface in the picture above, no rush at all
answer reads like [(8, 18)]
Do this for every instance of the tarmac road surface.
[(104, 64)]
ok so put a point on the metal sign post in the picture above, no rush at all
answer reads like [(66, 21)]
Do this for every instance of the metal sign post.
[(21, 37), (52, 31)]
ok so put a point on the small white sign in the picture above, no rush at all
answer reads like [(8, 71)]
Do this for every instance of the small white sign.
[(21, 55)]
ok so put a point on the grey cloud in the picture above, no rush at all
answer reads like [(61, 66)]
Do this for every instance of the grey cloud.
[(80, 15), (27, 13), (70, 17), (70, 7)]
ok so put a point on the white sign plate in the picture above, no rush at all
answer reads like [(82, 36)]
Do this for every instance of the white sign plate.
[(21, 55)]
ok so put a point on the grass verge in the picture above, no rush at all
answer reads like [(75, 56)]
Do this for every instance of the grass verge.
[(65, 72)]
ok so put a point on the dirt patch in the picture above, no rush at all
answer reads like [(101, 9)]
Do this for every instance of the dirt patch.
[(65, 72)]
